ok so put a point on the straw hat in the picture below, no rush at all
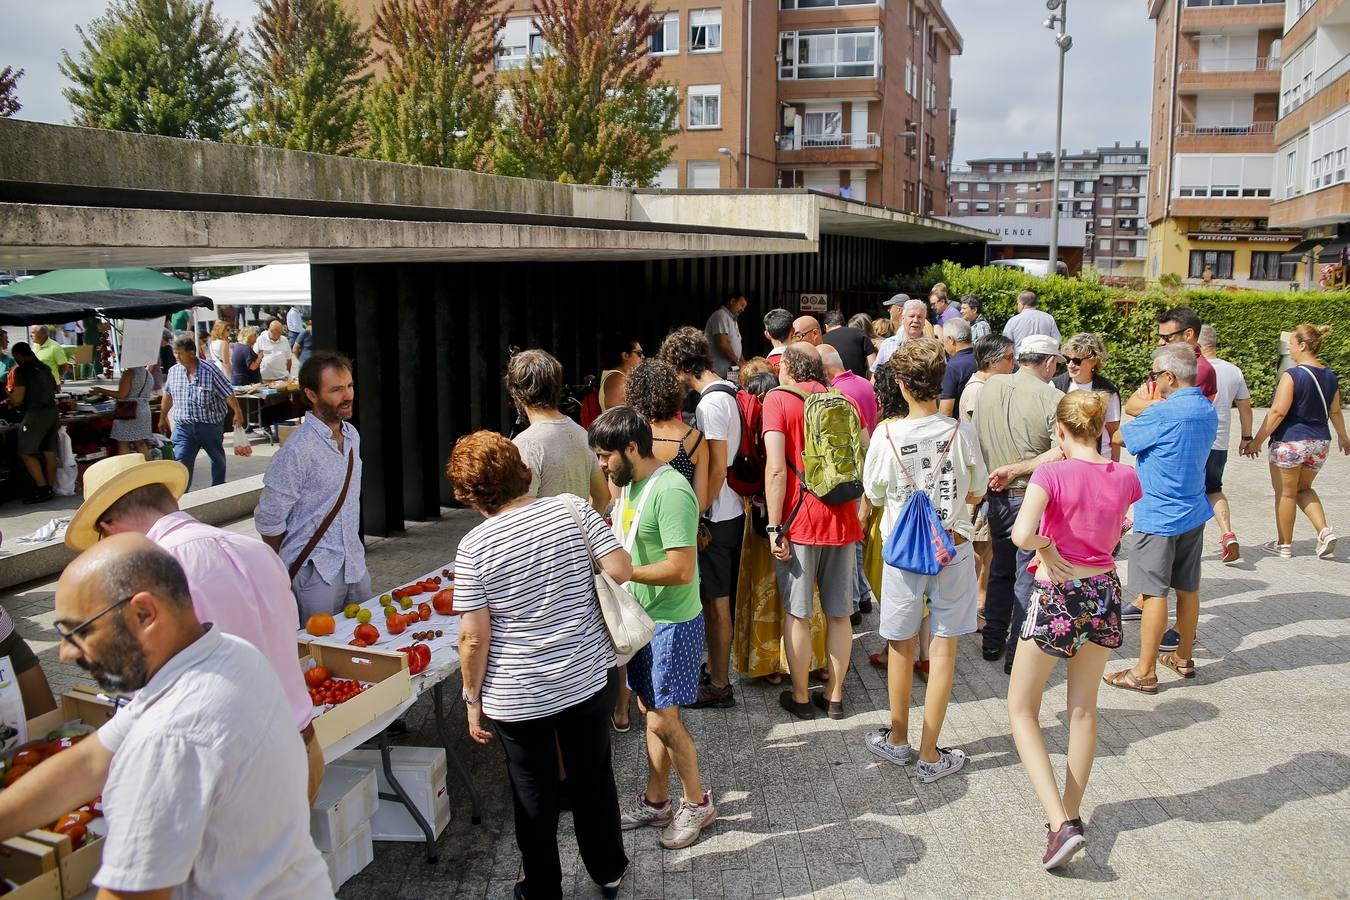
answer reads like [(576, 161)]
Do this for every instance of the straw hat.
[(111, 479)]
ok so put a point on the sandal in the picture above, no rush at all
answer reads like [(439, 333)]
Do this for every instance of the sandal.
[(1183, 667), (615, 722), (877, 659), (1127, 680)]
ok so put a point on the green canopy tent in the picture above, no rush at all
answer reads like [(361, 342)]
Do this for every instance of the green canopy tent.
[(74, 281)]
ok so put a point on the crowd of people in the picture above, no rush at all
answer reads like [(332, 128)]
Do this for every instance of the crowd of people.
[(755, 509)]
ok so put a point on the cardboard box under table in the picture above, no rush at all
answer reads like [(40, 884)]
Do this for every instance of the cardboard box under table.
[(77, 867)]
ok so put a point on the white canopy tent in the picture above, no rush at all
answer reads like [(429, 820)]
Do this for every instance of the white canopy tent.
[(285, 284)]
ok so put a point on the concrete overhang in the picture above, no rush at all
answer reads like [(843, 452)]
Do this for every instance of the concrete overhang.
[(79, 197)]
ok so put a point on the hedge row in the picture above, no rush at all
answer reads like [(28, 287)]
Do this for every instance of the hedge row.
[(1248, 323)]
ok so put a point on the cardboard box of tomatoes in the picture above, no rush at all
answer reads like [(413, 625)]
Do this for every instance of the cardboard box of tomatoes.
[(29, 870), (362, 683)]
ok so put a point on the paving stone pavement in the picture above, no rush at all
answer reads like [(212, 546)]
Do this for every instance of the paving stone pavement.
[(1236, 783)]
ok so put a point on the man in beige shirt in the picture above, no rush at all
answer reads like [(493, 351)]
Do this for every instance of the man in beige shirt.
[(1015, 418)]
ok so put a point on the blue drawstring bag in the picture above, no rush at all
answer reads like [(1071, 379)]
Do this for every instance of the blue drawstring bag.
[(919, 542)]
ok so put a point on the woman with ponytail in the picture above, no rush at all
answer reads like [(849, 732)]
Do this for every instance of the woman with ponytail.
[(1071, 518), (1306, 398)]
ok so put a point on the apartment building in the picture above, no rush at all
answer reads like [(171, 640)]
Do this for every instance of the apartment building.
[(1312, 192), (851, 97), (1216, 96), (1103, 189)]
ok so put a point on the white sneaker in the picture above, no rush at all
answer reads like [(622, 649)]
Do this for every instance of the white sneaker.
[(879, 745), (1326, 543), (639, 813), (949, 760), (689, 823)]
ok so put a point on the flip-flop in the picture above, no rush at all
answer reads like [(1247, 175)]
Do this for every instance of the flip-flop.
[(1127, 680), (877, 659), (1183, 667), (615, 724)]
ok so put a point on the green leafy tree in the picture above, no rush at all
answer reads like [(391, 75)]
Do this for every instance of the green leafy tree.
[(9, 91), (436, 101), (590, 109), (305, 68), (166, 67)]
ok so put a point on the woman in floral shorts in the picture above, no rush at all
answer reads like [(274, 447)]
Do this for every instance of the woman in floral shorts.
[(1071, 518)]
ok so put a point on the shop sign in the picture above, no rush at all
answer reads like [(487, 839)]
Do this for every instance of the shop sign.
[(813, 303), (1235, 225), (1265, 237)]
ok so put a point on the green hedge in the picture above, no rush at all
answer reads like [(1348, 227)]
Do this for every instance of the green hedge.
[(1248, 323)]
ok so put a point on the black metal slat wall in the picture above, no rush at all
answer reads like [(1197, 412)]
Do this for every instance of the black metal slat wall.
[(430, 341)]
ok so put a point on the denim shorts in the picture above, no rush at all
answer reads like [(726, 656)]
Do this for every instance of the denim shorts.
[(665, 672), (1063, 617)]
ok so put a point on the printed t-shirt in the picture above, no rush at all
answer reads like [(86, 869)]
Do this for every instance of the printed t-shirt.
[(853, 346), (719, 418), (919, 443), (1087, 507), (669, 521), (815, 524), (1231, 388)]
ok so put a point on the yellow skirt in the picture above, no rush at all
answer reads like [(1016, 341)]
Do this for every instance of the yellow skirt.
[(757, 639), (872, 564)]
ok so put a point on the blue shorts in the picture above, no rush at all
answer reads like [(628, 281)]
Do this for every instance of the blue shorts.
[(665, 672)]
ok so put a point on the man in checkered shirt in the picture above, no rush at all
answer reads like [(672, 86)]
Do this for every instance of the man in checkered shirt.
[(199, 394)]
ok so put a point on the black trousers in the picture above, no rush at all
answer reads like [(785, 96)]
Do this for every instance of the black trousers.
[(1009, 591), (581, 732)]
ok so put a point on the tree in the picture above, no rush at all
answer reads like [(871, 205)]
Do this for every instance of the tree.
[(590, 110), (9, 91), (436, 103), (306, 73), (158, 67)]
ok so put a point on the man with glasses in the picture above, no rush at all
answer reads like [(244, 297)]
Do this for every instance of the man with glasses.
[(1170, 441), (1181, 326), (236, 581), (913, 322), (807, 329), (202, 773)]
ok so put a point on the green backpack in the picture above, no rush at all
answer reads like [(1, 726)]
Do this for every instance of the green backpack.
[(832, 451)]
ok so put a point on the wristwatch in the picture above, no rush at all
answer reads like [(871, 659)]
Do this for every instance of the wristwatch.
[(773, 529), (471, 699)]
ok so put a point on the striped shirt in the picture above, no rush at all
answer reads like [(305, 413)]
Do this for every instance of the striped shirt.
[(199, 397), (529, 568)]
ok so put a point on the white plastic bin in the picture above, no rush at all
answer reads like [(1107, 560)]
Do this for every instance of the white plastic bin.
[(421, 772), (347, 799), (350, 858)]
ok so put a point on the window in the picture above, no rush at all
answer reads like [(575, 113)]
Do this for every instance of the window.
[(1126, 247), (520, 40), (1125, 203), (832, 53), (1036, 208), (1104, 245), (1007, 167), (982, 207), (1221, 261), (963, 207), (930, 93), (667, 39), (927, 201), (705, 30), (1127, 224), (1022, 188), (1272, 266), (1328, 143), (963, 187), (982, 187), (1063, 191), (1108, 179), (822, 128), (703, 174), (911, 79), (1224, 175), (669, 177), (1104, 222), (1020, 209), (1126, 182), (1082, 187), (1107, 201), (705, 106)]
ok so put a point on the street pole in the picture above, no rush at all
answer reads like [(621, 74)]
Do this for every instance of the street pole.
[(1059, 130)]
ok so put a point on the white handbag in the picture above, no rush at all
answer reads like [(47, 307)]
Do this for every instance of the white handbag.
[(630, 628)]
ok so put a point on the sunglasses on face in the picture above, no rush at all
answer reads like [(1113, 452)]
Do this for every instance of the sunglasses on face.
[(1170, 336), (802, 334), (1155, 375), (1077, 360)]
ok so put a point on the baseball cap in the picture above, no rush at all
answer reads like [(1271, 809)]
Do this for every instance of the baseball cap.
[(1039, 345), (896, 300)]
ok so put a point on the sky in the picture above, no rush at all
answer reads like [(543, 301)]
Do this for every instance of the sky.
[(1004, 81)]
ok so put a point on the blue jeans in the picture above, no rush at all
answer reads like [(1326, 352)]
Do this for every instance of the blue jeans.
[(189, 437), (1005, 604)]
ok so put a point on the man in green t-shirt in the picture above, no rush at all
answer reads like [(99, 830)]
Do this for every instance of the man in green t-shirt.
[(50, 353), (656, 520), (35, 391), (181, 320)]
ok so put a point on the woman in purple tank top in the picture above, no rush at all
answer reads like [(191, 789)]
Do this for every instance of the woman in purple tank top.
[(1306, 399)]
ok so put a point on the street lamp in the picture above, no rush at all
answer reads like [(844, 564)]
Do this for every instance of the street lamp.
[(900, 134), (1059, 11)]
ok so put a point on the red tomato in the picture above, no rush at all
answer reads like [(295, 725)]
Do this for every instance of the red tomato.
[(444, 601), (31, 758), (317, 676), (366, 632), (419, 658), (396, 625), (424, 611)]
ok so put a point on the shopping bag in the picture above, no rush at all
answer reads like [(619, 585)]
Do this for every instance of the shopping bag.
[(66, 469), (241, 445)]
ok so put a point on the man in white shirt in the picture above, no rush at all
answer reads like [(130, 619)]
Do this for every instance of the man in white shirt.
[(1231, 391), (275, 351), (295, 323), (1030, 319), (719, 418), (203, 774), (913, 320), (724, 335)]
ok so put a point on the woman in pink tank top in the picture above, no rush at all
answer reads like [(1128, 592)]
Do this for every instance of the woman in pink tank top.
[(1071, 518)]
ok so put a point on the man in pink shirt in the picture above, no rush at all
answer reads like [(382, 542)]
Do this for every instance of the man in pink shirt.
[(858, 390), (236, 581)]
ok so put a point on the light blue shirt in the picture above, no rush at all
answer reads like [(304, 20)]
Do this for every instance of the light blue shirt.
[(1170, 442), (299, 489), (1028, 322)]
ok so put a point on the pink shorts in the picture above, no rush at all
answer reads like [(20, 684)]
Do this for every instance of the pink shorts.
[(1309, 454)]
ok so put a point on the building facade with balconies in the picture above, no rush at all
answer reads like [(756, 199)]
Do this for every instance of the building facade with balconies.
[(849, 97), (1216, 98), (1312, 190), (1104, 188)]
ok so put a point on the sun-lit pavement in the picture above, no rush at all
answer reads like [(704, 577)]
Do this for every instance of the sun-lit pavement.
[(1236, 783)]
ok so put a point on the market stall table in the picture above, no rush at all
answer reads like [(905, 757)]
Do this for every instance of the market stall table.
[(266, 404), (444, 664)]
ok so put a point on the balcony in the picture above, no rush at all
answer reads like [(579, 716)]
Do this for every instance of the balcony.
[(1333, 72), (1237, 137), (861, 150), (1238, 73), (1213, 18)]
